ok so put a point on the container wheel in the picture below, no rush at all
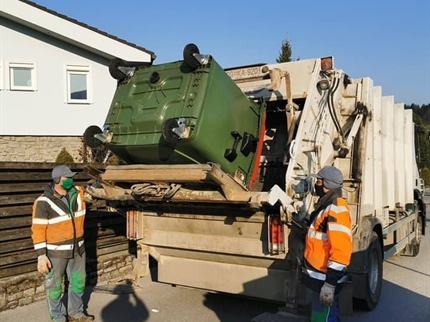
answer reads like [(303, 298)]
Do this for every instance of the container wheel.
[(373, 276), (167, 131), (114, 70), (189, 59), (89, 138)]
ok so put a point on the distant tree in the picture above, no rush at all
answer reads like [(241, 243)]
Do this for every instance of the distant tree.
[(285, 52), (422, 111), (424, 150), (421, 119), (425, 175)]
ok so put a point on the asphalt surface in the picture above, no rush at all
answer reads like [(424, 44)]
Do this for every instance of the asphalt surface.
[(405, 297)]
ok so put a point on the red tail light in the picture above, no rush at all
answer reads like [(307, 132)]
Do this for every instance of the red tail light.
[(276, 235)]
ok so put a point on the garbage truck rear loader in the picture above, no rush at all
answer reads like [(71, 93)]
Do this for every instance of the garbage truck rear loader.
[(219, 161)]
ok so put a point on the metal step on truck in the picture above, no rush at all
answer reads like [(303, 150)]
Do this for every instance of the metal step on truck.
[(216, 162)]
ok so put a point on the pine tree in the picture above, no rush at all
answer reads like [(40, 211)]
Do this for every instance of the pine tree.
[(64, 157), (285, 52)]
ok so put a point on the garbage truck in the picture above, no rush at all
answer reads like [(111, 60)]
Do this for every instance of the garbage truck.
[(217, 164)]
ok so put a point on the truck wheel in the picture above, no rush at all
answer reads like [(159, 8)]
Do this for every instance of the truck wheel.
[(373, 276)]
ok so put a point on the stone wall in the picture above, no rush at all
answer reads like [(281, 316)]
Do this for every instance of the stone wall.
[(27, 288), (38, 148)]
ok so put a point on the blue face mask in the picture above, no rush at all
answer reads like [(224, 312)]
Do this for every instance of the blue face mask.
[(67, 184)]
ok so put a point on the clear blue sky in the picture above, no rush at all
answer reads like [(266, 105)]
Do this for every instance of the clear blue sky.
[(388, 41)]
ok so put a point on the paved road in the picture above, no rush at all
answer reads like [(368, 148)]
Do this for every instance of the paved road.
[(406, 288), (405, 297)]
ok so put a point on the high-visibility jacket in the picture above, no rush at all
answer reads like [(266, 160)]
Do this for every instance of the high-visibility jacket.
[(57, 227), (329, 244)]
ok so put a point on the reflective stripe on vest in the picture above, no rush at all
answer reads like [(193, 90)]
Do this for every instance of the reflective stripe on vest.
[(40, 245), (321, 276), (62, 215), (317, 235), (63, 247), (337, 227), (336, 266), (53, 205), (338, 209), (57, 220)]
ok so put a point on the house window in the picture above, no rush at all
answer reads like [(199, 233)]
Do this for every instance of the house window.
[(78, 84), (22, 77)]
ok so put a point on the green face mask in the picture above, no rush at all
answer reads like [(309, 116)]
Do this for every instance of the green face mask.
[(67, 184)]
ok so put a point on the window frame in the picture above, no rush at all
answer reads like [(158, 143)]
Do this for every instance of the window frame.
[(33, 72), (79, 70)]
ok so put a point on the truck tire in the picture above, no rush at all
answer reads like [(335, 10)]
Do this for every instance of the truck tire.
[(373, 276)]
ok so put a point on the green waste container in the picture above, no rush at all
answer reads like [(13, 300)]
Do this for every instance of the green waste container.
[(175, 114)]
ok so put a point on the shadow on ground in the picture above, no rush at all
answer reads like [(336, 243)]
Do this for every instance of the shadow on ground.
[(230, 308), (397, 304), (125, 306)]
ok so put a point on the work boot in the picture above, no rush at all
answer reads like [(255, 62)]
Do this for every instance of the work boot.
[(80, 318)]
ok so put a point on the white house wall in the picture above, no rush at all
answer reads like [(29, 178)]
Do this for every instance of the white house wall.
[(70, 32), (45, 111)]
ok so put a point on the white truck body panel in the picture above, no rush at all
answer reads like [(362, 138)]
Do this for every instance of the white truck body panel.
[(388, 152), (377, 151)]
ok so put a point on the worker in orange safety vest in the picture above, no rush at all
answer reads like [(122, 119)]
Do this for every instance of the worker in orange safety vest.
[(58, 238), (328, 246)]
